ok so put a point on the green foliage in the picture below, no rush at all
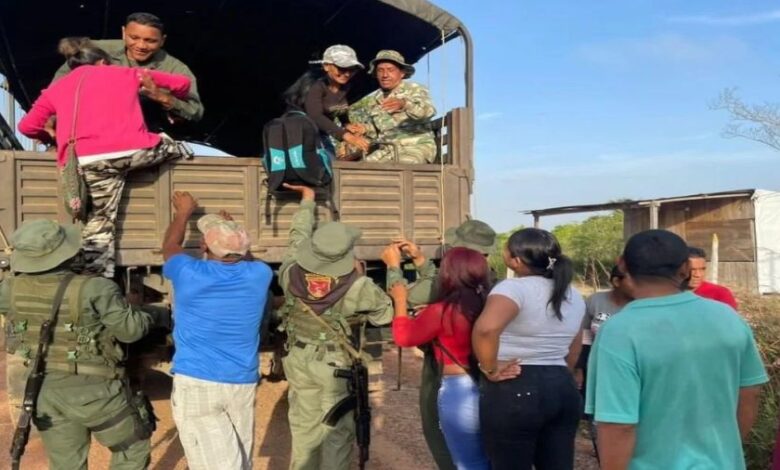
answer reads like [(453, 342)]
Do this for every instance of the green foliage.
[(763, 314), (496, 259), (593, 245)]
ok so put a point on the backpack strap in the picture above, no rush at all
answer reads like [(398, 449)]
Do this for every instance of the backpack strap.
[(437, 344), (339, 335)]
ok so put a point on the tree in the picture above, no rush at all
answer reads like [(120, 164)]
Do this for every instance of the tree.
[(593, 245), (757, 122), (496, 259)]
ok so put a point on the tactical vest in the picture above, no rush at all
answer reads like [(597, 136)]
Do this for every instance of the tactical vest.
[(81, 344), (300, 326)]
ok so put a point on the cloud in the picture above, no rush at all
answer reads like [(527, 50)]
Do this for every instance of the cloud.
[(734, 20), (667, 47), (488, 116)]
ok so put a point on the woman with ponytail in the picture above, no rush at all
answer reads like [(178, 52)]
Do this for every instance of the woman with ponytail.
[(100, 125), (533, 319)]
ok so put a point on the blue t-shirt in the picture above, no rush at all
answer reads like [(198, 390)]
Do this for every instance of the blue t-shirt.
[(673, 366), (218, 308)]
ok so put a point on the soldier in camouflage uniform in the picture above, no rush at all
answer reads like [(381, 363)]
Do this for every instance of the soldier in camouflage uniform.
[(472, 234), (84, 391), (397, 116), (320, 276)]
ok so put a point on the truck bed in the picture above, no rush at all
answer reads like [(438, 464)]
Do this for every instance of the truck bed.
[(383, 200)]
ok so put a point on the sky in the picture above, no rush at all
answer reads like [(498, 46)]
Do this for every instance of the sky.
[(586, 102), (581, 102)]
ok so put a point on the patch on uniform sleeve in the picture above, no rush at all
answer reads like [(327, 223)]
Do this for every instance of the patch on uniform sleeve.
[(318, 286)]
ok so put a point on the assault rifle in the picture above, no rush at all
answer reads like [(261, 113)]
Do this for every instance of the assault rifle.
[(357, 400), (31, 390)]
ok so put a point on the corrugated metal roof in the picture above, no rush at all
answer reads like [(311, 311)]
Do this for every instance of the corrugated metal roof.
[(631, 204)]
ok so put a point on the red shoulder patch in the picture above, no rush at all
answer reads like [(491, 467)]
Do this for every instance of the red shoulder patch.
[(318, 286)]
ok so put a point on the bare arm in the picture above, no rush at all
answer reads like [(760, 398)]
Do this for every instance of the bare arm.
[(185, 205), (575, 349), (616, 445), (498, 312), (747, 409)]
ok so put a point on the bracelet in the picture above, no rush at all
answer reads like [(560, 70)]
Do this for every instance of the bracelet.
[(484, 371)]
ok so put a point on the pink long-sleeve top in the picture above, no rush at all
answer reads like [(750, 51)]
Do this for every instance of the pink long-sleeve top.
[(447, 323), (109, 117)]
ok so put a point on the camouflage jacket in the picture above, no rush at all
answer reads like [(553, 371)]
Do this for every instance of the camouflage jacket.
[(363, 297), (423, 291), (412, 121), (190, 109)]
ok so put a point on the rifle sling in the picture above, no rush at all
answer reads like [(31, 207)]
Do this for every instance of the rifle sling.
[(342, 339), (55, 309)]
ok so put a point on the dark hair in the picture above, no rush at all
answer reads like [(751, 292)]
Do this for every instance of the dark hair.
[(655, 253), (146, 19), (540, 252), (616, 273), (295, 95), (464, 281), (81, 51), (696, 252)]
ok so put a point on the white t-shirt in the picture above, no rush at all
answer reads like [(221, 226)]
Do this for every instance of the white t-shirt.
[(535, 335)]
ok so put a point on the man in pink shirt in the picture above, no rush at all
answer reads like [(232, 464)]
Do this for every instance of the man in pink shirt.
[(698, 262)]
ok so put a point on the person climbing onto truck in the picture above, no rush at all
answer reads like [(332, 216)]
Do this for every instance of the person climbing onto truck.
[(99, 110), (397, 115), (322, 95), (143, 38)]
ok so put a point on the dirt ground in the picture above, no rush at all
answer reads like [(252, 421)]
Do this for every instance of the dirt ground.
[(397, 441)]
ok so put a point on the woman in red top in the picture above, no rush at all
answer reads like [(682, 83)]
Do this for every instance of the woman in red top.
[(464, 282), (110, 135)]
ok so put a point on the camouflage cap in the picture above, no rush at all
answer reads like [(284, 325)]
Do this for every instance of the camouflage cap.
[(223, 237), (341, 56), (395, 57), (329, 250), (41, 245), (473, 234)]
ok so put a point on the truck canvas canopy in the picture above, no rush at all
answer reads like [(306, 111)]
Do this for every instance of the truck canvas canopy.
[(243, 53)]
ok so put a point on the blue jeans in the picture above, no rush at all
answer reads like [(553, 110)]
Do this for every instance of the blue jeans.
[(459, 421)]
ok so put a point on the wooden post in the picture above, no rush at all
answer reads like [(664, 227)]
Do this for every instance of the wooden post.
[(714, 259), (536, 220), (654, 206)]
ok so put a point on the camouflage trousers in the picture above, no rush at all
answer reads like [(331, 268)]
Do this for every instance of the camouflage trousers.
[(409, 151), (106, 182)]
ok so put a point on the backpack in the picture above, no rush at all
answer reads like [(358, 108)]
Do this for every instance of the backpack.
[(294, 152)]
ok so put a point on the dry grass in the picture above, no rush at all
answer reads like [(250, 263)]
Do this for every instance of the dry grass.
[(763, 314)]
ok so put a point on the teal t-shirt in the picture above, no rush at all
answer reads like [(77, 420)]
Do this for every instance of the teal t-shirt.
[(673, 366)]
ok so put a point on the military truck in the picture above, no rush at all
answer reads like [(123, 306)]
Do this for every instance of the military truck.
[(244, 55)]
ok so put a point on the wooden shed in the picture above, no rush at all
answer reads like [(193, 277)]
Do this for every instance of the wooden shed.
[(746, 222)]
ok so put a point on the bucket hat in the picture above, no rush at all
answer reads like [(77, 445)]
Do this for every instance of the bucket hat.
[(395, 57), (473, 234), (329, 250), (223, 237), (341, 56), (42, 244)]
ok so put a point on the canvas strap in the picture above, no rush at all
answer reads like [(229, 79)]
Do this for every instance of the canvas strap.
[(341, 338), (72, 137)]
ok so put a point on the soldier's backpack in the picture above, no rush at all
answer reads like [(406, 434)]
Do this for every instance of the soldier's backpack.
[(294, 152)]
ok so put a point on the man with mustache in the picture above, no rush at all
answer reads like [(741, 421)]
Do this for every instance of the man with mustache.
[(397, 116)]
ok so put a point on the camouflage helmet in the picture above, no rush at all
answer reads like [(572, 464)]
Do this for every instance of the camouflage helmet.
[(395, 57), (341, 56)]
